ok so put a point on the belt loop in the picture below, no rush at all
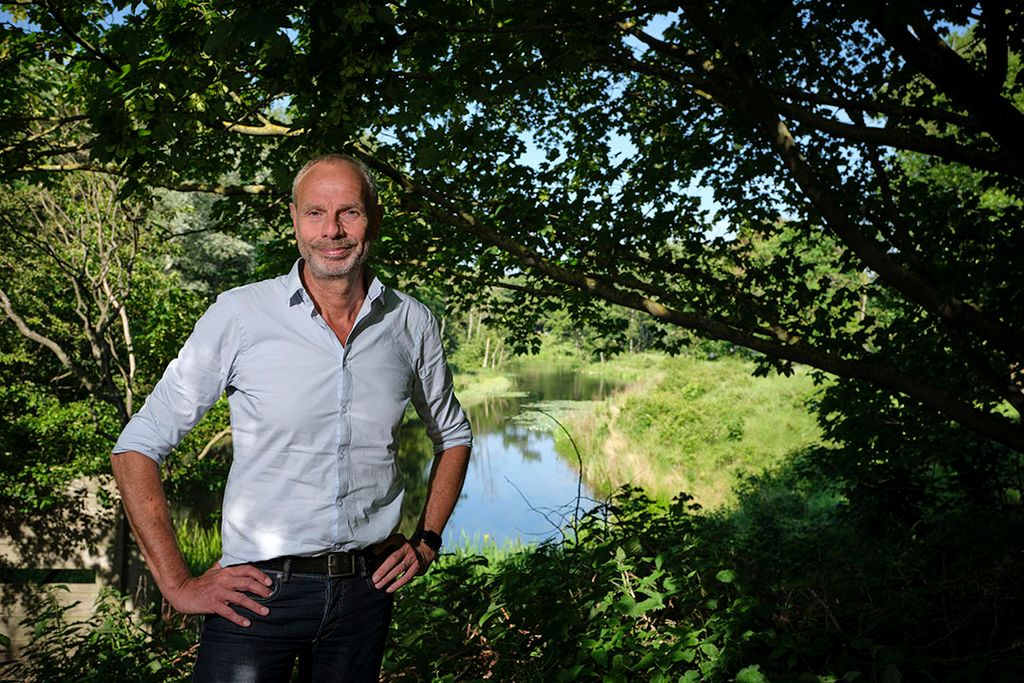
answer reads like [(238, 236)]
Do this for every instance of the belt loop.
[(287, 574)]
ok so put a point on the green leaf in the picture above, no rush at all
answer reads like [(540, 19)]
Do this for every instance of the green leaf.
[(751, 674)]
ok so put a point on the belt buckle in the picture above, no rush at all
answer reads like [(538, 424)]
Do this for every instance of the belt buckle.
[(341, 565)]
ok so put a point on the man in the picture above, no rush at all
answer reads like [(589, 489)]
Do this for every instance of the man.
[(318, 366)]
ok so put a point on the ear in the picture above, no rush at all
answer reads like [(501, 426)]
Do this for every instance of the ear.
[(295, 215)]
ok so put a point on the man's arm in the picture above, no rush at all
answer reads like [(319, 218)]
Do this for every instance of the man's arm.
[(446, 477), (138, 478)]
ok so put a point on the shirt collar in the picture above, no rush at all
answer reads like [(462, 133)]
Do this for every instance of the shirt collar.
[(297, 294)]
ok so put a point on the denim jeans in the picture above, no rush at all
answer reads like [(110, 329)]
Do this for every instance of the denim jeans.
[(336, 627)]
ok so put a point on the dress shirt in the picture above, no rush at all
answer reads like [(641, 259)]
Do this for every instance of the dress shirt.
[(315, 424)]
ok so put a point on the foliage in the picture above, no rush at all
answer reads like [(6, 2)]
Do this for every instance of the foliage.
[(554, 151), (687, 424), (93, 316), (788, 587), (791, 585), (111, 645), (200, 545)]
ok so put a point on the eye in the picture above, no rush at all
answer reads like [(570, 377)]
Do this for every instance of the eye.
[(314, 213), (352, 215)]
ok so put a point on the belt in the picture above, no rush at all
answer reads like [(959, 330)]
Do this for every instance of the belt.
[(332, 564)]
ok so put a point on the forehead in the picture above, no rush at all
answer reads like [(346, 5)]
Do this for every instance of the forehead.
[(330, 181)]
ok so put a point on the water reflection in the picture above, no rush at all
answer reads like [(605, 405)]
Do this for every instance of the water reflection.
[(517, 486)]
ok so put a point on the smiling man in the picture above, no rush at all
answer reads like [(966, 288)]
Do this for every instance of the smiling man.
[(318, 366)]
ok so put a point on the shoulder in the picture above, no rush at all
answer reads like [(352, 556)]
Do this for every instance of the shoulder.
[(255, 294), (259, 291), (407, 304), (405, 312)]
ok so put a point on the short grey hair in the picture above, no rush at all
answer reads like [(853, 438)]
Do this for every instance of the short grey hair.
[(370, 196)]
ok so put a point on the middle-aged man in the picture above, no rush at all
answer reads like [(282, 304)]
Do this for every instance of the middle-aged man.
[(318, 366)]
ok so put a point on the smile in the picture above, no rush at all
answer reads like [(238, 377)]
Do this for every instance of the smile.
[(336, 252)]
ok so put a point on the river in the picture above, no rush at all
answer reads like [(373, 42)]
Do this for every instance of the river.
[(518, 488)]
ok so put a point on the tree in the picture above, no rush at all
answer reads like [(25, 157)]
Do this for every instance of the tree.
[(864, 157)]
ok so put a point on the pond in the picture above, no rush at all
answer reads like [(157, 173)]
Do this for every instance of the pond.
[(518, 488)]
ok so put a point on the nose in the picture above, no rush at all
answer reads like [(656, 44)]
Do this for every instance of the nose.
[(334, 227)]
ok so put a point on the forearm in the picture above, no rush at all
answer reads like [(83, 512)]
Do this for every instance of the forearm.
[(142, 492), (447, 475)]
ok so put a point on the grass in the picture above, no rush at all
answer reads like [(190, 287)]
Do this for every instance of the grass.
[(689, 424), (200, 546), (473, 387)]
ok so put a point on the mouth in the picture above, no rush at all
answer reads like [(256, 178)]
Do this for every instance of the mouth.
[(335, 251)]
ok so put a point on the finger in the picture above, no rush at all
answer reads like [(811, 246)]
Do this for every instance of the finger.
[(391, 563), (404, 578), (251, 585), (400, 575), (247, 570), (248, 603), (231, 615), (389, 576)]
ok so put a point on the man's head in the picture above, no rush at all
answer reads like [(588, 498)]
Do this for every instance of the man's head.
[(336, 216)]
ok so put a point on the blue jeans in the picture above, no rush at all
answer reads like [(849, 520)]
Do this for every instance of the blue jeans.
[(336, 627)]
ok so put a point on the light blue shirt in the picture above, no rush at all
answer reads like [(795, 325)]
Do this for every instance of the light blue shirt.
[(315, 424)]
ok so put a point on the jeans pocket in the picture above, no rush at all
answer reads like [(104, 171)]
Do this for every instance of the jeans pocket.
[(275, 588), (372, 563)]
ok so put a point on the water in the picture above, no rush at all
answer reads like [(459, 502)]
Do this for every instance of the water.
[(517, 486)]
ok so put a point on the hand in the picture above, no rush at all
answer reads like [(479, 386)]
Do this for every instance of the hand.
[(219, 588), (402, 564)]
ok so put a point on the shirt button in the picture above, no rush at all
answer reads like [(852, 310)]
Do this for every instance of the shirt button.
[(344, 409)]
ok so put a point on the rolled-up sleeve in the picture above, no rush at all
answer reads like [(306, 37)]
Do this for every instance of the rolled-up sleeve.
[(190, 385), (433, 393)]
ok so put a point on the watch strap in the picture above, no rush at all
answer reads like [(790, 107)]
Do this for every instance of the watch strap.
[(432, 539)]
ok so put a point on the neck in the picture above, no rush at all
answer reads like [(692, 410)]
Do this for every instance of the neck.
[(337, 300)]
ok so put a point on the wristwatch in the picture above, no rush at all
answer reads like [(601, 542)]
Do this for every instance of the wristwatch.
[(432, 539)]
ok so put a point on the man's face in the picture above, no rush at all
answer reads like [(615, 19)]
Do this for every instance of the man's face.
[(333, 227)]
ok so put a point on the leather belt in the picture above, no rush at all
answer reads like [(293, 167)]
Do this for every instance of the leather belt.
[(334, 565)]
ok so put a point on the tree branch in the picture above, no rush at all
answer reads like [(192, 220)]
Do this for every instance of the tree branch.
[(954, 77), (943, 148), (446, 210), (42, 340), (210, 188), (267, 128), (911, 285), (889, 109), (59, 18)]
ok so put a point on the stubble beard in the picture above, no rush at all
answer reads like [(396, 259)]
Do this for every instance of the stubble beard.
[(323, 268)]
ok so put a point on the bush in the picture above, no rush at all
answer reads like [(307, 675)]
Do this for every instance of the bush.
[(110, 646), (788, 587)]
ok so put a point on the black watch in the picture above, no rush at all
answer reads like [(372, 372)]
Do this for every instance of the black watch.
[(432, 539)]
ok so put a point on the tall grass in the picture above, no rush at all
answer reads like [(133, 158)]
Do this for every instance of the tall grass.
[(689, 424), (200, 545)]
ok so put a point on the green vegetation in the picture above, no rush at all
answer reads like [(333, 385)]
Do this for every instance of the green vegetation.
[(112, 645), (540, 167), (199, 545), (790, 585), (690, 424)]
